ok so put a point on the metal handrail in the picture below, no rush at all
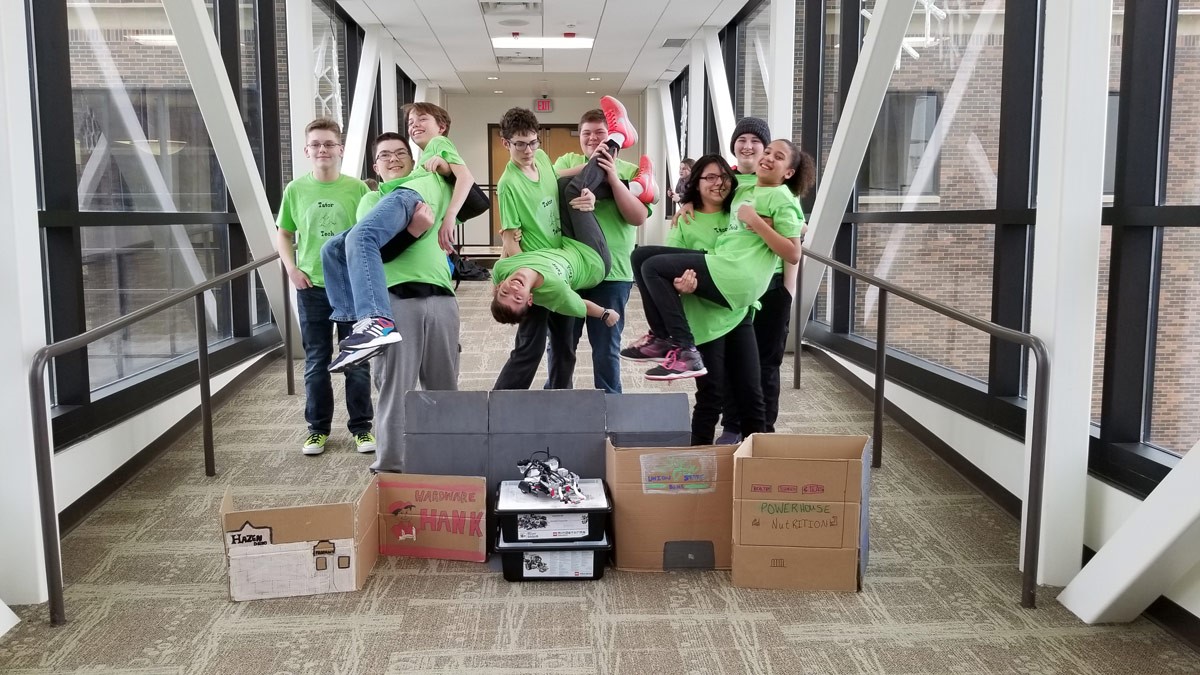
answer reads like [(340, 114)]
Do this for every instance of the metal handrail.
[(1037, 463), (43, 452)]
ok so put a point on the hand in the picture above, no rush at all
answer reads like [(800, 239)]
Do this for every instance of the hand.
[(610, 317), (748, 215), (437, 165), (684, 216), (586, 201), (422, 220), (299, 279), (446, 237), (686, 283), (605, 161)]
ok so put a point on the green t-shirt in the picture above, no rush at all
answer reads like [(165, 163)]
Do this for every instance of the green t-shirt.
[(573, 267), (742, 264), (708, 320), (424, 261), (314, 212), (620, 235), (531, 206), (438, 146)]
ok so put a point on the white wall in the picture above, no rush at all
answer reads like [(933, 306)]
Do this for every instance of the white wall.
[(1003, 460), (471, 115)]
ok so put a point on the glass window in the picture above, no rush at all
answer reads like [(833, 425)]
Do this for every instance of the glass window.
[(329, 64), (831, 111), (127, 268), (951, 264), (1101, 320), (140, 142), (901, 138), (1110, 147), (251, 94), (1183, 153), (754, 41), (1175, 415)]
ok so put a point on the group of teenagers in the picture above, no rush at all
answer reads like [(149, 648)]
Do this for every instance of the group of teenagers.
[(372, 265)]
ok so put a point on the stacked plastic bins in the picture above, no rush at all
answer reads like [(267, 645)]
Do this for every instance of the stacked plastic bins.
[(543, 539)]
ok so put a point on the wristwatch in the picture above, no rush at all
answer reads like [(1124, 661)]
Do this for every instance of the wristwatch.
[(604, 315)]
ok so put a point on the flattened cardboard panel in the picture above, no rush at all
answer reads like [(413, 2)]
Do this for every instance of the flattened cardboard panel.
[(649, 439), (557, 411), (427, 516), (789, 567), (292, 524), (648, 413), (446, 412), (787, 472), (809, 446), (286, 570), (581, 453), (446, 454), (806, 524)]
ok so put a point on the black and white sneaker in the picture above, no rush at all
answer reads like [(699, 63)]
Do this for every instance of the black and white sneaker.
[(351, 357), (371, 332)]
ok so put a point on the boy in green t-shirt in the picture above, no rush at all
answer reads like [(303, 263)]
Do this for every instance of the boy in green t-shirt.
[(316, 207)]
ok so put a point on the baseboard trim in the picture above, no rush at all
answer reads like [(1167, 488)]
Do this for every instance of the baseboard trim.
[(91, 500), (991, 489)]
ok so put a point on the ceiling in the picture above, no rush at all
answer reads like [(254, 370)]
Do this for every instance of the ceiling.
[(448, 42)]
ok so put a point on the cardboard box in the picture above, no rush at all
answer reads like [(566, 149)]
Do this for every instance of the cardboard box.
[(759, 522), (331, 548), (672, 507), (795, 568), (798, 467)]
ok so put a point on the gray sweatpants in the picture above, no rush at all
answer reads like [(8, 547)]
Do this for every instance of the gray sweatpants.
[(427, 354)]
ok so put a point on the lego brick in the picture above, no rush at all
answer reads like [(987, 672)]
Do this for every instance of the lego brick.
[(546, 411), (446, 412), (648, 412), (581, 453), (446, 454)]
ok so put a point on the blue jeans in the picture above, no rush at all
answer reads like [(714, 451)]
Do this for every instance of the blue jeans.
[(605, 341), (354, 276), (316, 331)]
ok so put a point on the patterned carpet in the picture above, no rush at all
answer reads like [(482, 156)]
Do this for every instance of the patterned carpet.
[(147, 590)]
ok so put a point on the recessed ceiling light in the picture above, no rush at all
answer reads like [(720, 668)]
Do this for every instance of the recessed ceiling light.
[(541, 43), (589, 92), (594, 79), (498, 91), (492, 77)]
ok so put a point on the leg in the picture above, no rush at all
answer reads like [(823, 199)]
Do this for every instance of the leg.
[(771, 330), (605, 341), (363, 260), (743, 378), (563, 340), (337, 278), (639, 257), (440, 360), (658, 276), (358, 391), (316, 332), (709, 392), (581, 226), (396, 372), (529, 346)]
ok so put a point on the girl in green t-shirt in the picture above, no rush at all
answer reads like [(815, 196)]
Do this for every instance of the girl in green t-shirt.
[(734, 274)]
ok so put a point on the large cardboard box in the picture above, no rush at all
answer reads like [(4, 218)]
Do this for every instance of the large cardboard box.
[(672, 507), (330, 548), (801, 512)]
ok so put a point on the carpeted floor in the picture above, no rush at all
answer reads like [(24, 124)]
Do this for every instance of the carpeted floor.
[(147, 591)]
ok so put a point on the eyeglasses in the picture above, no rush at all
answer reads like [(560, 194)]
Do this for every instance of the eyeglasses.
[(522, 146), (388, 155), (328, 145), (714, 178)]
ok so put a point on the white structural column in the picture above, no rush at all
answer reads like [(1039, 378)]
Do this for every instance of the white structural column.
[(695, 100), (429, 92), (387, 84), (218, 106), (718, 87), (885, 34), (1153, 550), (782, 82), (23, 580), (661, 93), (364, 100), (654, 133), (1067, 244), (301, 90)]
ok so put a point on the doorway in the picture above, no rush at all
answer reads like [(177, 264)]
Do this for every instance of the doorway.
[(557, 140)]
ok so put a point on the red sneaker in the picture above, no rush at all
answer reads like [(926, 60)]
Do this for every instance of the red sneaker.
[(644, 187), (618, 121)]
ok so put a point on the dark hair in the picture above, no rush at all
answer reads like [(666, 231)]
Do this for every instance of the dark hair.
[(804, 169), (438, 113), (391, 136), (691, 189), (688, 162), (323, 124), (518, 121), (593, 115), (505, 314)]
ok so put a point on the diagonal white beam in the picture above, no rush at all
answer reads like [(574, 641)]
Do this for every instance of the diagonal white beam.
[(764, 69), (782, 64), (387, 84), (663, 92), (718, 88), (694, 113), (218, 106), (301, 88), (364, 100)]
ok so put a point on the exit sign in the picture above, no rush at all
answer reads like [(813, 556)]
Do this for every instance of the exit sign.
[(543, 105)]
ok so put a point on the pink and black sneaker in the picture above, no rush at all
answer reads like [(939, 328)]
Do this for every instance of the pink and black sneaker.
[(620, 129), (681, 363), (648, 349)]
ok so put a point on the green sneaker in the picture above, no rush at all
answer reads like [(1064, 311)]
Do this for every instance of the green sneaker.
[(314, 444), (365, 442)]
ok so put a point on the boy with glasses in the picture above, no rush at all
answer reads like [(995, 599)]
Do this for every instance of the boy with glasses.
[(315, 207)]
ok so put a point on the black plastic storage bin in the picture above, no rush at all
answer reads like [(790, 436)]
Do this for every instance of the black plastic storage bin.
[(553, 561), (528, 519)]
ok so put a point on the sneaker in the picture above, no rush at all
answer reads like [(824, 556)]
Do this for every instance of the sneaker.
[(350, 357), (365, 442), (649, 348), (644, 187), (729, 438), (374, 331), (681, 362), (314, 444), (618, 121)]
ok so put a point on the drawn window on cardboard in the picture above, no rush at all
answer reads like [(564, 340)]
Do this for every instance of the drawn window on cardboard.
[(343, 562), (322, 563)]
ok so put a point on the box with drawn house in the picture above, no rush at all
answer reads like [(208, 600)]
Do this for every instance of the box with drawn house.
[(329, 548)]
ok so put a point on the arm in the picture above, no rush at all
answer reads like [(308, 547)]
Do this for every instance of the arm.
[(285, 244), (783, 247), (790, 271), (510, 243), (632, 211), (463, 180), (594, 311)]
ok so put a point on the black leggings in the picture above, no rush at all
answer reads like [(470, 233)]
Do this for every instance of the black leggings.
[(732, 382), (654, 270), (582, 226)]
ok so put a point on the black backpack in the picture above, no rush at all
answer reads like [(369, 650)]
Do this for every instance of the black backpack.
[(465, 269)]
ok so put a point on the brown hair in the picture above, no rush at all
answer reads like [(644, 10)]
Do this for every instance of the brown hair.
[(505, 314), (323, 124), (804, 169), (518, 121), (436, 111), (593, 115)]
